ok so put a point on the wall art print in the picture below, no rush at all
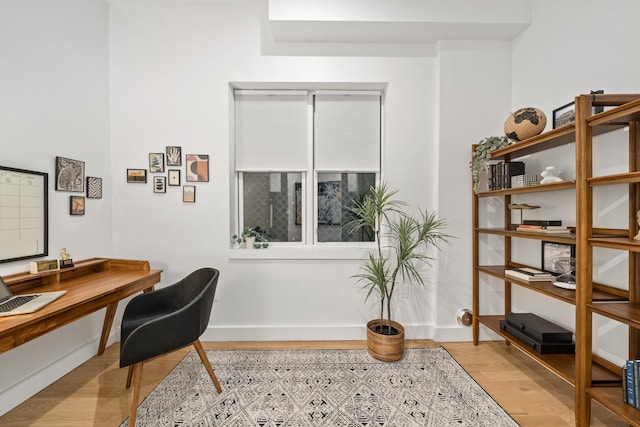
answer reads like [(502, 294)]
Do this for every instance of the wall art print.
[(174, 177), (159, 184), (69, 175), (329, 203), (156, 162), (138, 176), (174, 156), (189, 193), (197, 167), (76, 205), (94, 187)]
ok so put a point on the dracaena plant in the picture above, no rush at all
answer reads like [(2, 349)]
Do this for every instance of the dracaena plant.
[(403, 242)]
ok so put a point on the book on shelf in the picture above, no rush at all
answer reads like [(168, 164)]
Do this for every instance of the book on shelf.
[(631, 383), (541, 222), (540, 229), (529, 274)]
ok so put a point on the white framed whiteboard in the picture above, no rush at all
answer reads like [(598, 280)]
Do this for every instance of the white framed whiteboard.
[(24, 224)]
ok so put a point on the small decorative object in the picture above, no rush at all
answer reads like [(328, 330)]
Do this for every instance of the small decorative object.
[(65, 258), (255, 238), (174, 177), (156, 162), (69, 175), (159, 184), (94, 187), (137, 176), (567, 280), (482, 154), (521, 207), (637, 236), (552, 251), (36, 267), (525, 123), (197, 168), (189, 193), (550, 175), (174, 156), (236, 241), (76, 205)]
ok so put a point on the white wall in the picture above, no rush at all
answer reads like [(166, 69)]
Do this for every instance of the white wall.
[(54, 102), (573, 47)]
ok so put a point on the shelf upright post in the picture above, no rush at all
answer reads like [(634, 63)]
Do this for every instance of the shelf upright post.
[(634, 257), (584, 274), (475, 224)]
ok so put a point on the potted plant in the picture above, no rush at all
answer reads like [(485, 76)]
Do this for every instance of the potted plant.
[(482, 154), (254, 237), (402, 244)]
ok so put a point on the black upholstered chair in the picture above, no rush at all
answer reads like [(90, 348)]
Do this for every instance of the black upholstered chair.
[(164, 320)]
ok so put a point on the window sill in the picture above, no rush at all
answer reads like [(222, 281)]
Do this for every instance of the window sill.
[(323, 253)]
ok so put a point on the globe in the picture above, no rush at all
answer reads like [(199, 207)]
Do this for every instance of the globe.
[(525, 123)]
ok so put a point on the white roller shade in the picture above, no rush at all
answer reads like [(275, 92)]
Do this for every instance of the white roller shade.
[(271, 130), (347, 131)]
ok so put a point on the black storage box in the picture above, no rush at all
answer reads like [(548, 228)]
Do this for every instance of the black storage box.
[(536, 345), (538, 328)]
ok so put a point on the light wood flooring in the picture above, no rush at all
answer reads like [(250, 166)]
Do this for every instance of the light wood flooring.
[(94, 394)]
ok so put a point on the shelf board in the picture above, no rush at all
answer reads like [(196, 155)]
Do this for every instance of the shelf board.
[(624, 312), (622, 178), (545, 141), (563, 365), (620, 116), (552, 237), (621, 243), (547, 287), (564, 185), (611, 398)]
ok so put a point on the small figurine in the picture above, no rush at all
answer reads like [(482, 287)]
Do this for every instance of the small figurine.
[(65, 258), (637, 236)]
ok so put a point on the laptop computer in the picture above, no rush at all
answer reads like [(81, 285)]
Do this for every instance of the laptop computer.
[(23, 304)]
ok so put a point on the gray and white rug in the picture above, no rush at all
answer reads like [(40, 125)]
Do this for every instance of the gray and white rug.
[(321, 388)]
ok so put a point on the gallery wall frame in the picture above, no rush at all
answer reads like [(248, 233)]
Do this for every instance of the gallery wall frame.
[(137, 176), (94, 187), (76, 205), (156, 162), (197, 167), (25, 233), (189, 193), (159, 184), (69, 175), (174, 177), (174, 156)]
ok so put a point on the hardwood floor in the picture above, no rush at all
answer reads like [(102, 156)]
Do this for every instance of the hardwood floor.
[(94, 394)]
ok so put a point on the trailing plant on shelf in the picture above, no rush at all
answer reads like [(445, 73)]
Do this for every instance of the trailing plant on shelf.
[(402, 243), (482, 154)]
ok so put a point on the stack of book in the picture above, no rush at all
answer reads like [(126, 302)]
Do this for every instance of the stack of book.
[(631, 383), (500, 174), (542, 226), (529, 274)]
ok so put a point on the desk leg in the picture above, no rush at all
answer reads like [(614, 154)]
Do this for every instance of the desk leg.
[(106, 326), (108, 322)]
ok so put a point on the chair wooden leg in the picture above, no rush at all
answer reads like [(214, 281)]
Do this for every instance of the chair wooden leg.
[(129, 375), (135, 393), (205, 361)]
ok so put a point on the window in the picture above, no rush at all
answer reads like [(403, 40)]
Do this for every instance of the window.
[(302, 158)]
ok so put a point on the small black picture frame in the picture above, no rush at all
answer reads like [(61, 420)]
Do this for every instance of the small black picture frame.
[(173, 177), (159, 184), (174, 155), (554, 250), (76, 205), (94, 187), (156, 162), (566, 114)]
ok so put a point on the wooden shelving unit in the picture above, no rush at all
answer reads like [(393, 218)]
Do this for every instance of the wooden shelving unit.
[(594, 378)]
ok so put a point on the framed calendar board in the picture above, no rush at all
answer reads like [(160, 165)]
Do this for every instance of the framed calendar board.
[(24, 223)]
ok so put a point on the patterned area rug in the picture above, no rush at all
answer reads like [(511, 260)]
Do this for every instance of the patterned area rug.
[(321, 388)]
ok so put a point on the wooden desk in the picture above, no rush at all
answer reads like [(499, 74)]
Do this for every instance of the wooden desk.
[(91, 285)]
